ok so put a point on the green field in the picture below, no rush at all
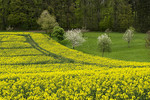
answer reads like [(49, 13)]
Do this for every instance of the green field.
[(35, 67), (137, 51)]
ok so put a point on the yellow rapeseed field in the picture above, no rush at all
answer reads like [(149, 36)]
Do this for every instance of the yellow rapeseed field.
[(35, 67)]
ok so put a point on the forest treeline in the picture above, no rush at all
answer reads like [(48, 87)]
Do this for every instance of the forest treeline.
[(95, 15)]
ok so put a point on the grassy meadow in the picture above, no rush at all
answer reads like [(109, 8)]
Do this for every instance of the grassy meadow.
[(137, 51)]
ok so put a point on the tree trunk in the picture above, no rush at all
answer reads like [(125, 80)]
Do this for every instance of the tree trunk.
[(103, 53), (128, 44)]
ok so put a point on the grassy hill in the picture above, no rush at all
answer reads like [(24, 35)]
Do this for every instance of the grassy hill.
[(137, 52), (35, 67)]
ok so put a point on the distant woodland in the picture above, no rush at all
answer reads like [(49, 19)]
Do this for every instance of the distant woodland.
[(95, 15)]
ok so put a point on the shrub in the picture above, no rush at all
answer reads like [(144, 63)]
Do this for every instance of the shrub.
[(47, 21), (64, 42), (108, 30), (104, 43), (84, 30), (128, 35), (75, 37), (58, 32), (9, 28)]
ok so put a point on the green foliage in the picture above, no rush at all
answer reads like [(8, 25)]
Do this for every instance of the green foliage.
[(105, 23), (125, 16), (22, 14), (143, 15), (65, 42), (47, 21), (58, 32), (104, 43), (97, 15)]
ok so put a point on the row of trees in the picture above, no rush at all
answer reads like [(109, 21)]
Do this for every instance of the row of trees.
[(104, 41), (99, 15), (75, 36)]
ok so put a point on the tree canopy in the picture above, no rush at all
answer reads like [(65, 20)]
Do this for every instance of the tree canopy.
[(97, 15), (47, 21)]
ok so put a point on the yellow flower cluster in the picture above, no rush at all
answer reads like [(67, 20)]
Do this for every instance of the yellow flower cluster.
[(9, 37), (40, 83), (50, 71), (27, 60), (54, 47), (19, 52)]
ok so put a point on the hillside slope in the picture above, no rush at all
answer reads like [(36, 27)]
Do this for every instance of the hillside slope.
[(35, 67)]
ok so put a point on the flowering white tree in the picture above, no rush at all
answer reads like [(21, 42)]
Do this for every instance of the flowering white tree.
[(104, 43), (128, 35), (75, 37)]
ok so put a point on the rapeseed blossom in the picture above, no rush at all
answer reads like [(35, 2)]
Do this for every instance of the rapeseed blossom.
[(36, 73)]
